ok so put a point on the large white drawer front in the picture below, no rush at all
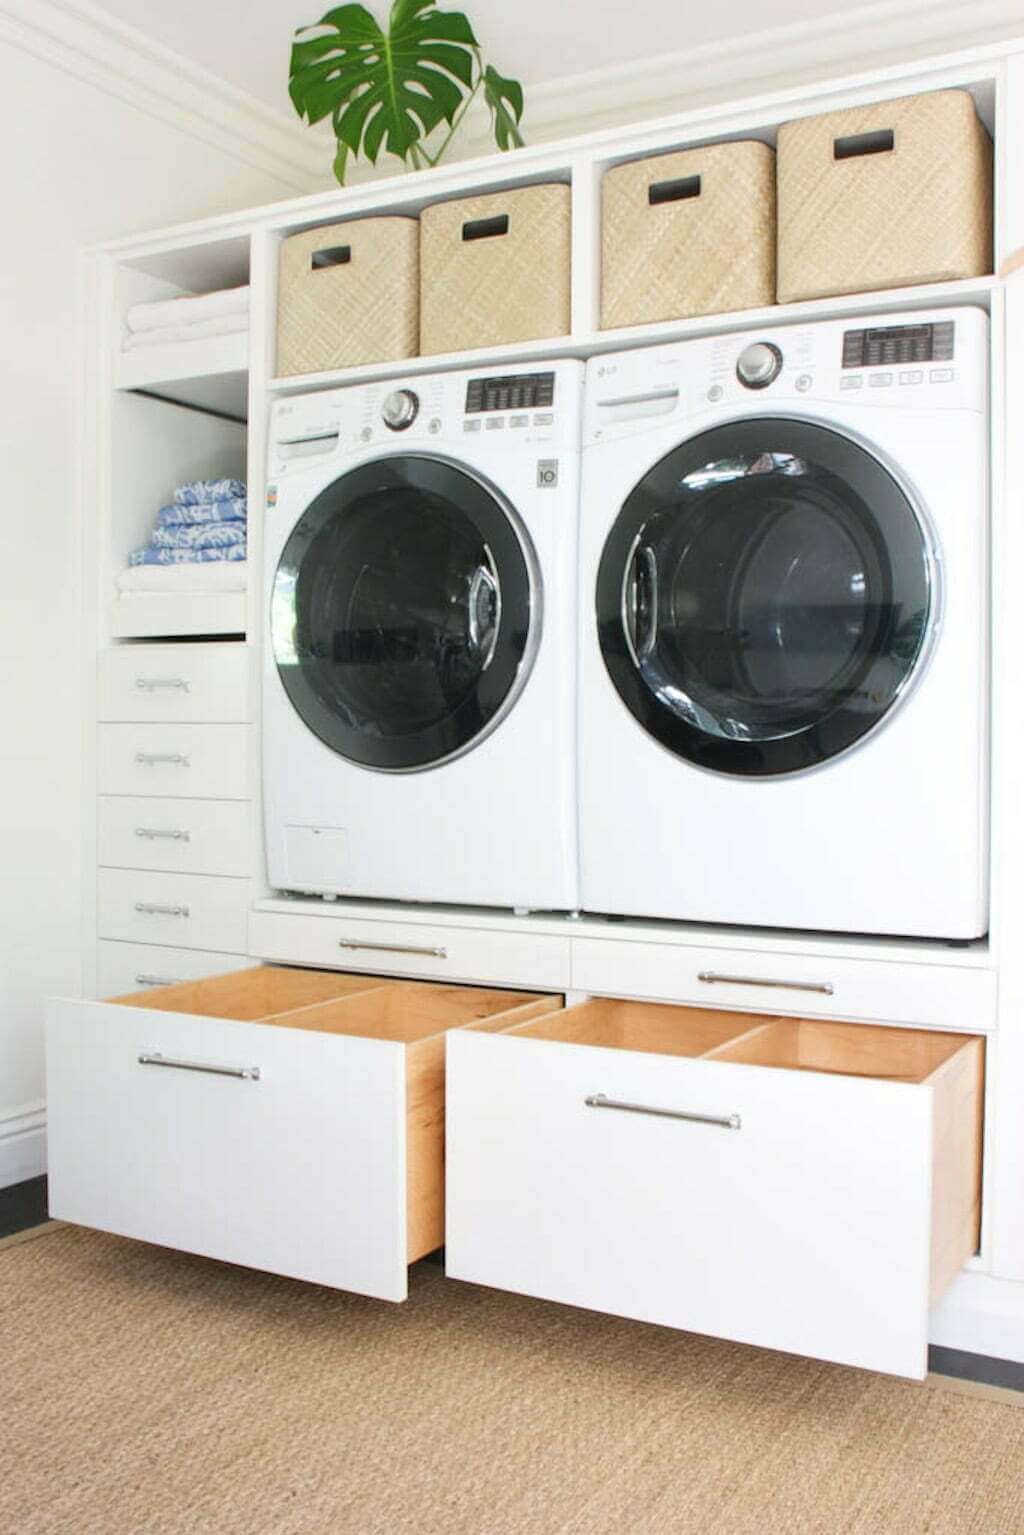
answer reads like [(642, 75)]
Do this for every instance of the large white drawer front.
[(126, 967), (288, 1120), (186, 761), (201, 682), (188, 911), (939, 996), (798, 1200), (413, 949), (197, 836)]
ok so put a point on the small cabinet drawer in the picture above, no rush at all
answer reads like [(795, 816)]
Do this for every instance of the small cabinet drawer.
[(122, 967), (413, 948), (934, 995), (188, 911), (287, 1120), (806, 1186), (191, 683), (185, 761), (197, 836)]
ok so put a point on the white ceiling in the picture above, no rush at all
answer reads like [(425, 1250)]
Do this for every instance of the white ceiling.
[(247, 42)]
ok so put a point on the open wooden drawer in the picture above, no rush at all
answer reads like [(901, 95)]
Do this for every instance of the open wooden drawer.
[(290, 1120), (804, 1185)]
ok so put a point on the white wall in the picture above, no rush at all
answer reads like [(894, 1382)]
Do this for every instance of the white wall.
[(82, 162)]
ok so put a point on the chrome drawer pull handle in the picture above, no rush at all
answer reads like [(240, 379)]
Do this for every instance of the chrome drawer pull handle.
[(152, 909), (725, 1121), (147, 684), (150, 759), (156, 831), (393, 948), (243, 1073), (712, 978), (157, 980)]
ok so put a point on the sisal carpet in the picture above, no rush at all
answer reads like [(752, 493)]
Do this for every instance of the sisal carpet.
[(144, 1391)]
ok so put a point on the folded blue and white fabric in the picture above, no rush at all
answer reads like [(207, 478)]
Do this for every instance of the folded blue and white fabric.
[(232, 509), (199, 492), (203, 535), (157, 556)]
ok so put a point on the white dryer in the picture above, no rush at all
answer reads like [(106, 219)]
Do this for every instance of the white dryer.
[(784, 613), (419, 675)]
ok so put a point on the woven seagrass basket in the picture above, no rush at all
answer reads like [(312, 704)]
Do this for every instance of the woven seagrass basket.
[(688, 233), (495, 269), (348, 294), (884, 196)]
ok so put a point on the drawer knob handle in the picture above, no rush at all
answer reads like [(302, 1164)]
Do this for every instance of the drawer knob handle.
[(151, 759), (393, 948), (723, 1121), (712, 978), (153, 909), (173, 833), (157, 980), (243, 1073), (150, 684)]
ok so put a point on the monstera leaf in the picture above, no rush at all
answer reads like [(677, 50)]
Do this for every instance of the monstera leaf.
[(392, 89)]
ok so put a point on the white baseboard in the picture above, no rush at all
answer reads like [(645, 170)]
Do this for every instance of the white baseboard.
[(22, 1144), (981, 1315)]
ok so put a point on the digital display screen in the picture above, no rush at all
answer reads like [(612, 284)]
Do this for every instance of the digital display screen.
[(898, 344), (521, 391)]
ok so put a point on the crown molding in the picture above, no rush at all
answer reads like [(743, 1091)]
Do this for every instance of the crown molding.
[(90, 44), (881, 35)]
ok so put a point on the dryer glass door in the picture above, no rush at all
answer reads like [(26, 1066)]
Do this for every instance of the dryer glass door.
[(764, 597), (404, 613)]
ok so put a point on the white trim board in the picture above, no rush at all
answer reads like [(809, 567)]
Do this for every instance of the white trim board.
[(84, 41), (22, 1143), (981, 1315)]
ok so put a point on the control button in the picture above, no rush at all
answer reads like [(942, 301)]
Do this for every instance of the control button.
[(495, 423), (879, 380), (759, 365), (399, 409), (912, 376), (546, 419), (472, 425), (519, 421), (435, 426), (851, 381), (804, 382), (941, 375), (715, 393)]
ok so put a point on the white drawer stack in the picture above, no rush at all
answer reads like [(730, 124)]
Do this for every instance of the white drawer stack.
[(174, 817)]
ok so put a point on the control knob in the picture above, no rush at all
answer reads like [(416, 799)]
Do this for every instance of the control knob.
[(759, 365), (399, 409)]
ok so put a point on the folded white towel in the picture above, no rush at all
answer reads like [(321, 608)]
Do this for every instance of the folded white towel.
[(188, 309), (185, 580), (171, 335)]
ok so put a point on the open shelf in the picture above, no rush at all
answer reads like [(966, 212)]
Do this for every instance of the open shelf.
[(973, 291), (211, 374)]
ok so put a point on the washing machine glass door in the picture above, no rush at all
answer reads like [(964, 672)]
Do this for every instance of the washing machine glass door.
[(404, 613), (765, 597)]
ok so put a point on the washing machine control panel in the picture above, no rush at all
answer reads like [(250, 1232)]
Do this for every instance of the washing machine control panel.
[(883, 345)]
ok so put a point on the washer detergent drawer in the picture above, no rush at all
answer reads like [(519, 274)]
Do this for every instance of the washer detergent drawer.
[(287, 1120), (187, 761), (808, 1187), (939, 995), (173, 682), (489, 957)]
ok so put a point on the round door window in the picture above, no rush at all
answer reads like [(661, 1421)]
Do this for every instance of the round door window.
[(404, 613), (764, 597)]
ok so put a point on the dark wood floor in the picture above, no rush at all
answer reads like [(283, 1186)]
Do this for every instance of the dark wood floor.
[(24, 1205)]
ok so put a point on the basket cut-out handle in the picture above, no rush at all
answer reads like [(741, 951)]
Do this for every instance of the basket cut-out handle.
[(332, 255), (485, 229), (675, 191), (855, 145)]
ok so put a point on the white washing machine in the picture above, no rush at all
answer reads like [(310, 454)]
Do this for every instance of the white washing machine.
[(784, 616), (419, 675)]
